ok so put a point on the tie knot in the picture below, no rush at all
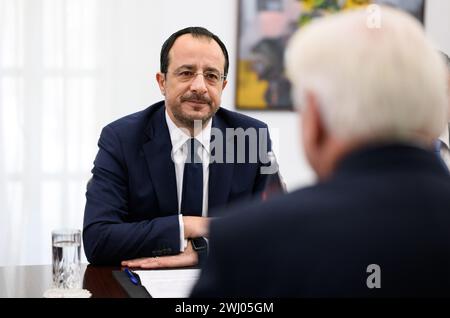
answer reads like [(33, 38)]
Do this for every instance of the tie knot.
[(193, 154)]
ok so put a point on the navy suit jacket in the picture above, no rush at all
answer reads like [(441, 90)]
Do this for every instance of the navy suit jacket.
[(132, 205), (387, 205)]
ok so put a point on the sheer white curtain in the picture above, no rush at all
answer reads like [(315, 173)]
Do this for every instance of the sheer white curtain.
[(48, 92)]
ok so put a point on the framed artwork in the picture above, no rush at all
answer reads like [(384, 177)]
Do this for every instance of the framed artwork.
[(265, 27)]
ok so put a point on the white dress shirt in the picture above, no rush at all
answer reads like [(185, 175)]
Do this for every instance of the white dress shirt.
[(445, 152), (179, 154)]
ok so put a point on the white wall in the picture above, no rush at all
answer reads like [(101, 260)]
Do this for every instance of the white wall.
[(128, 35), (437, 21)]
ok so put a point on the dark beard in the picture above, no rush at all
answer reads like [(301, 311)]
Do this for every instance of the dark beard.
[(187, 121)]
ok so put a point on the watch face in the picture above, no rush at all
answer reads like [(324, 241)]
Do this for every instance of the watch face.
[(199, 243)]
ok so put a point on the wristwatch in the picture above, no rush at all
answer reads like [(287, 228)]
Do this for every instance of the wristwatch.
[(200, 245)]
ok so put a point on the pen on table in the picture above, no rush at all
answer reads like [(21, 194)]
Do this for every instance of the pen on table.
[(132, 276)]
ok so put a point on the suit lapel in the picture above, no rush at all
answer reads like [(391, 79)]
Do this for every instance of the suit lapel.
[(220, 174), (157, 152)]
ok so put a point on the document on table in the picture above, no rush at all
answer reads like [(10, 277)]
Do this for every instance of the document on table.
[(172, 283)]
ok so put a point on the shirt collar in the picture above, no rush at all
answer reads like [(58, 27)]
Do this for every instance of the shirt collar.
[(444, 137), (178, 137)]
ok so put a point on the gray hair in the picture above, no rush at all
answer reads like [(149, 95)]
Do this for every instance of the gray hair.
[(384, 82)]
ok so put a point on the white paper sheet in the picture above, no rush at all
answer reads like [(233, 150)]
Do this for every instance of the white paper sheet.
[(173, 283)]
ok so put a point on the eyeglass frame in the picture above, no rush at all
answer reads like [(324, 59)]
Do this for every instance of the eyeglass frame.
[(192, 76)]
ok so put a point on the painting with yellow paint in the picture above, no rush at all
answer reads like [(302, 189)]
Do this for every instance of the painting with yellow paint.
[(265, 27)]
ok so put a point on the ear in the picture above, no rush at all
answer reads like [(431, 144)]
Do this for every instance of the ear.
[(225, 82), (161, 79), (449, 97), (314, 134), (312, 120)]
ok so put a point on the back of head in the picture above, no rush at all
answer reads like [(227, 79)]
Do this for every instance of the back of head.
[(376, 76)]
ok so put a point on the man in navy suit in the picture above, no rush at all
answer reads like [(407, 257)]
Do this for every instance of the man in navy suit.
[(377, 223), (160, 171)]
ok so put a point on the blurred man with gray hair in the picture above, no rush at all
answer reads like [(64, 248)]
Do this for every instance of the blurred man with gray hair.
[(372, 100)]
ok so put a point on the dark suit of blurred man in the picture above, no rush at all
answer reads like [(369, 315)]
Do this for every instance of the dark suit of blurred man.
[(377, 223)]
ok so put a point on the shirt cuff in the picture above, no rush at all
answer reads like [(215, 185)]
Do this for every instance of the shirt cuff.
[(183, 241)]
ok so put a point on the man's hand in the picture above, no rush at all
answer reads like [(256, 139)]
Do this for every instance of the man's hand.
[(195, 226), (187, 258)]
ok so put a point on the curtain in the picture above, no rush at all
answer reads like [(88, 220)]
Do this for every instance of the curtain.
[(48, 91)]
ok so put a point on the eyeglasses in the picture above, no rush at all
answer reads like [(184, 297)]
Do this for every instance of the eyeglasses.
[(211, 77)]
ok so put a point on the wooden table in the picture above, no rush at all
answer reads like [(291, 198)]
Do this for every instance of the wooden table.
[(33, 281)]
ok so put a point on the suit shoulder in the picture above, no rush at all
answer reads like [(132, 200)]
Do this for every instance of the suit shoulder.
[(235, 119), (134, 123)]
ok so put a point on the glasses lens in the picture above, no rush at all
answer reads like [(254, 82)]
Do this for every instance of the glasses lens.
[(211, 77), (185, 75)]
